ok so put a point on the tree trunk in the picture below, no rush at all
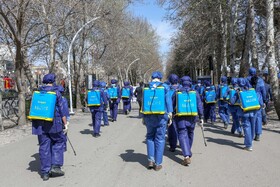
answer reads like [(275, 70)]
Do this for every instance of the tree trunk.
[(29, 75), (21, 95), (253, 35), (271, 55), (233, 20), (223, 24), (245, 54)]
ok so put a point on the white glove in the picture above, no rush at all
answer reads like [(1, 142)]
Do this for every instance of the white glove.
[(264, 106), (201, 122), (169, 122), (170, 115), (65, 130)]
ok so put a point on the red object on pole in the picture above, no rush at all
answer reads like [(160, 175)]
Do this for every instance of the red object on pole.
[(8, 83)]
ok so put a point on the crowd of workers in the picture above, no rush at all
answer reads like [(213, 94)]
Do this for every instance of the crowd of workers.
[(175, 106)]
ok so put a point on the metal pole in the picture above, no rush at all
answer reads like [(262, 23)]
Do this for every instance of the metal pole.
[(71, 145), (202, 129), (126, 73), (68, 62)]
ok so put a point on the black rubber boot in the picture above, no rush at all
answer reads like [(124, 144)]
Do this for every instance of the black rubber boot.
[(45, 176), (56, 171)]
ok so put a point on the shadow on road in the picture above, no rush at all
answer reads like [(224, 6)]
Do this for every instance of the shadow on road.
[(219, 131), (34, 165), (225, 142), (270, 130), (134, 117), (173, 155), (130, 156), (86, 131)]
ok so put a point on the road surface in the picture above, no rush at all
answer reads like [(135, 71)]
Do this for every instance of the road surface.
[(118, 158)]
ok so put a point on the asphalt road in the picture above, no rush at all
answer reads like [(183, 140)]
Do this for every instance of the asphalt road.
[(118, 158)]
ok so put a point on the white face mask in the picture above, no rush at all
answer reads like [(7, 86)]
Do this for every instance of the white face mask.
[(199, 84), (114, 85)]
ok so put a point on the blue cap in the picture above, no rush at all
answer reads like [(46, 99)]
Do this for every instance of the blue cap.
[(199, 81), (252, 71), (114, 81), (207, 83), (186, 81), (242, 82), (223, 79), (173, 79), (157, 74), (102, 84), (49, 78), (126, 83), (234, 80), (95, 83)]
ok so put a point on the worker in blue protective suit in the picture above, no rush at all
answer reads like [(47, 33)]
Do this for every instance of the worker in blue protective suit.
[(199, 88), (97, 111), (114, 102), (209, 108), (65, 113), (258, 84), (222, 102), (50, 134), (167, 83), (185, 125), (268, 97), (172, 133), (138, 93), (105, 115), (233, 109), (156, 125), (247, 118), (127, 94)]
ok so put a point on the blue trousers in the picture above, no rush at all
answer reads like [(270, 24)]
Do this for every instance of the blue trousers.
[(264, 118), (105, 118), (258, 122), (51, 150), (114, 109), (235, 119), (224, 114), (249, 130), (172, 135), (209, 112), (126, 105), (96, 120), (185, 128), (156, 127)]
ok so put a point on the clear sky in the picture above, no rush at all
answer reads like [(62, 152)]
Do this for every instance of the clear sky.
[(155, 15)]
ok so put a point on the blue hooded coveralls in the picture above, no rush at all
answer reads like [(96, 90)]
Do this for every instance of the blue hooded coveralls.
[(186, 124), (50, 134), (105, 115), (261, 93), (209, 109), (115, 102), (222, 103), (172, 132), (127, 101), (97, 111), (156, 125), (247, 118), (233, 109)]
